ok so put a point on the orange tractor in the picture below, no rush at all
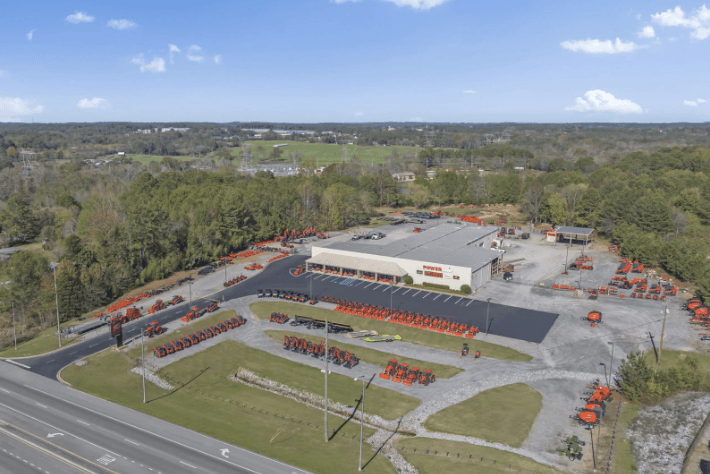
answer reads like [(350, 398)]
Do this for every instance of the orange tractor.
[(594, 317)]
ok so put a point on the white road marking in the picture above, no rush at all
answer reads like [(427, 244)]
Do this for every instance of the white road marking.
[(18, 364), (359, 283), (437, 296), (132, 442), (370, 284), (6, 391), (415, 294), (188, 465), (94, 345), (83, 422), (39, 404), (406, 292), (459, 300), (447, 299), (386, 288), (426, 295), (398, 288), (469, 302)]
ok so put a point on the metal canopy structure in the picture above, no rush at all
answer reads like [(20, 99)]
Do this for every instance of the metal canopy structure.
[(583, 234), (357, 263)]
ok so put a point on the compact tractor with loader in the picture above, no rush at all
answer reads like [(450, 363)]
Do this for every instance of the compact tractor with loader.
[(572, 449)]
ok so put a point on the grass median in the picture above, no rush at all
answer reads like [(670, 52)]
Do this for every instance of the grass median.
[(46, 341), (375, 357), (191, 327), (422, 337), (499, 415), (205, 400), (432, 456)]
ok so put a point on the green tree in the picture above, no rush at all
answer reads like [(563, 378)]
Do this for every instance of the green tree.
[(18, 220)]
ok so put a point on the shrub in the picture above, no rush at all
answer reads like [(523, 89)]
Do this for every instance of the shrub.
[(408, 280), (436, 285), (466, 289)]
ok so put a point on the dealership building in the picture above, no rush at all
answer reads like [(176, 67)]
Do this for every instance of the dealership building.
[(446, 254)]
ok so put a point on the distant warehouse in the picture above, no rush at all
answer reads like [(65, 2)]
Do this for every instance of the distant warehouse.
[(447, 254)]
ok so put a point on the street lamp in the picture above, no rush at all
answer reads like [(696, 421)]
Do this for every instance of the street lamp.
[(487, 312), (605, 376), (362, 416), (143, 360), (327, 350), (53, 266), (611, 362)]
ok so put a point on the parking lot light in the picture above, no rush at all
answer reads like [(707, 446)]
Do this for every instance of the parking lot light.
[(487, 312), (362, 415)]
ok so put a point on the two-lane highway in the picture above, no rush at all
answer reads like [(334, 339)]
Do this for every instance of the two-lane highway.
[(72, 431)]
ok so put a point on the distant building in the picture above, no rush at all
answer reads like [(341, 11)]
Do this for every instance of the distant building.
[(280, 145), (173, 129), (121, 153), (405, 177), (519, 168)]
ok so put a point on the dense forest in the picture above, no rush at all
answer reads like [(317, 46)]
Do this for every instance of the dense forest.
[(114, 228)]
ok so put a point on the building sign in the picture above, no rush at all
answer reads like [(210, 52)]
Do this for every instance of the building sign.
[(419, 272), (434, 274), (436, 269), (116, 329), (456, 277)]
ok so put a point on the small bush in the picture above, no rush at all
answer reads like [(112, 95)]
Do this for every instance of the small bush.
[(408, 280), (466, 289)]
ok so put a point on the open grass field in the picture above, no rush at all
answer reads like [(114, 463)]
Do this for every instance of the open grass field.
[(211, 404), (373, 356), (499, 415), (409, 334), (46, 341), (673, 358), (623, 462), (201, 323), (464, 458), (325, 154)]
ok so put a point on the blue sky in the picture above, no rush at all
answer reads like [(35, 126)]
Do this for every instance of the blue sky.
[(355, 61)]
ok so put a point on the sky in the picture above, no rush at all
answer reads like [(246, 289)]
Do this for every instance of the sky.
[(313, 61)]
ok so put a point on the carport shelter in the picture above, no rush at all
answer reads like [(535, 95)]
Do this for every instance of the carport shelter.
[(580, 234), (358, 264)]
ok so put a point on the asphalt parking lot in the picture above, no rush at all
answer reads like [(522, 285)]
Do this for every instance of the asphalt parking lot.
[(503, 320)]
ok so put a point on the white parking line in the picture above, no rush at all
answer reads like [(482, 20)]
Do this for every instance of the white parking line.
[(415, 294), (397, 289), (386, 288), (459, 300), (359, 283), (426, 295), (437, 296), (447, 299), (406, 292), (370, 284), (469, 302)]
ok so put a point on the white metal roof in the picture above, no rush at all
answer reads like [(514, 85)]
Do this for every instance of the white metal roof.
[(357, 263)]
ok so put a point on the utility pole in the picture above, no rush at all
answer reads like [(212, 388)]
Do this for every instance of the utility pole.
[(143, 360), (594, 457), (611, 362), (362, 417), (327, 350), (225, 271), (56, 297), (663, 330)]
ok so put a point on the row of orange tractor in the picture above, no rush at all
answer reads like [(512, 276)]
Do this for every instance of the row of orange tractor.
[(405, 318), (131, 314), (273, 259), (198, 336), (234, 280), (122, 304), (335, 355), (254, 266), (402, 373), (160, 304), (699, 316), (595, 405)]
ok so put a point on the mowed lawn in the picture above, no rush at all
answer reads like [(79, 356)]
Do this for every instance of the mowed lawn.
[(431, 457), (499, 415), (46, 341), (208, 402), (200, 323), (145, 159), (375, 357), (325, 154), (409, 334)]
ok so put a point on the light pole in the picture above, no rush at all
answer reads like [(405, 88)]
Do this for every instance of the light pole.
[(326, 376), (190, 284), (391, 291), (14, 330), (663, 332), (605, 376), (594, 456), (143, 360), (611, 362), (362, 417), (53, 266), (487, 312)]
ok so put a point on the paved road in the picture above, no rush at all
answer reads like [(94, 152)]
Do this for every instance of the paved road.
[(46, 427)]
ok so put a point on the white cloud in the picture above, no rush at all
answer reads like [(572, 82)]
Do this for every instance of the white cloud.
[(173, 49), (699, 21), (193, 53), (469, 91), (359, 114), (694, 103), (95, 103), (417, 4), (218, 59), (595, 46), (121, 24), (11, 107), (80, 17), (156, 65), (647, 32), (30, 35), (599, 101)]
